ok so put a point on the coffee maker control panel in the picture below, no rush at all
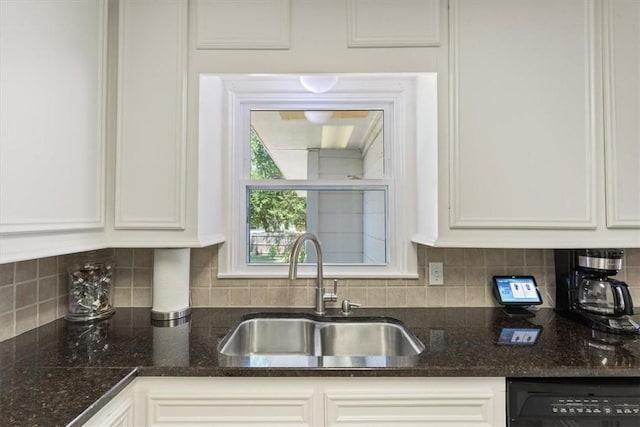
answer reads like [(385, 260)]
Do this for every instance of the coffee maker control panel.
[(595, 407), (624, 323)]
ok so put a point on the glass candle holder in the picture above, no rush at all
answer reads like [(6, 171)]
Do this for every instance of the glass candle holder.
[(91, 280)]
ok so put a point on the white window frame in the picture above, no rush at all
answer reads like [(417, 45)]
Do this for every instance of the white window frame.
[(397, 94)]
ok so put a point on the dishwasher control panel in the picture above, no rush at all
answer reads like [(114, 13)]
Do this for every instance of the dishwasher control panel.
[(596, 407), (542, 402)]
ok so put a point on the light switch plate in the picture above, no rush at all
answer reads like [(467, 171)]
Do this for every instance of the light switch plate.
[(436, 273)]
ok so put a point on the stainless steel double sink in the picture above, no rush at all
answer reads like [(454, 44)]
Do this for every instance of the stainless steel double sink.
[(306, 340)]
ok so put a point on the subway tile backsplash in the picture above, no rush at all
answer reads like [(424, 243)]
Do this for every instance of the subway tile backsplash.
[(30, 295), (467, 275), (35, 292)]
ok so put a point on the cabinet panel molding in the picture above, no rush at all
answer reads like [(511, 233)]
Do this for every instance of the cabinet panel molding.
[(622, 112), (406, 23), (525, 115), (410, 409), (243, 24), (250, 409), (150, 189), (53, 85)]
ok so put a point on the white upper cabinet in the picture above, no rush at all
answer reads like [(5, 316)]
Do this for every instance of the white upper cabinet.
[(96, 148), (522, 158), (622, 112), (524, 114), (163, 196), (52, 126), (151, 130)]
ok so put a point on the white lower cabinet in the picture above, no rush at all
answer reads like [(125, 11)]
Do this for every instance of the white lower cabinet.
[(316, 402), (119, 412), (237, 402), (454, 402)]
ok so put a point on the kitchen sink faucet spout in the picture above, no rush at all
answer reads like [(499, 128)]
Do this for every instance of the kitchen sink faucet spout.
[(321, 296)]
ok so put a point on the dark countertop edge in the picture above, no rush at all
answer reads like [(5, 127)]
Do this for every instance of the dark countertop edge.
[(104, 399), (470, 372)]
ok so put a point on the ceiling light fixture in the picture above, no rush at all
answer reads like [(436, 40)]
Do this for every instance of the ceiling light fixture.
[(318, 117), (320, 83)]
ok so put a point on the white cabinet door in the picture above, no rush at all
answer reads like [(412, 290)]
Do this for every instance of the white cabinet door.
[(150, 185), (119, 412), (52, 127), (525, 113), (622, 112), (455, 402), (241, 402), (533, 124)]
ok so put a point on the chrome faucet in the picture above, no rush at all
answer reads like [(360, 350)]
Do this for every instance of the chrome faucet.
[(321, 296)]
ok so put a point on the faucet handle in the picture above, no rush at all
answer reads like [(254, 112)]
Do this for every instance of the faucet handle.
[(332, 296)]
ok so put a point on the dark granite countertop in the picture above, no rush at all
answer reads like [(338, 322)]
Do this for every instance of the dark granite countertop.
[(62, 373)]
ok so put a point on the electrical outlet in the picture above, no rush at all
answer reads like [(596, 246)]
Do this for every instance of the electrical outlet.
[(436, 273)]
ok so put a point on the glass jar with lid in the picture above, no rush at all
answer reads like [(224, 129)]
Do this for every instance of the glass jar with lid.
[(91, 279)]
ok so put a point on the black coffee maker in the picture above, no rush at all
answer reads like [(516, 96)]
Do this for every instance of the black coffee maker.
[(585, 292)]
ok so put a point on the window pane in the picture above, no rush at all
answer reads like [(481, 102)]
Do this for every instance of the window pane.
[(327, 144), (350, 224)]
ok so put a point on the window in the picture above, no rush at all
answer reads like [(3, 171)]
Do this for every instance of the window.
[(340, 164), (320, 171)]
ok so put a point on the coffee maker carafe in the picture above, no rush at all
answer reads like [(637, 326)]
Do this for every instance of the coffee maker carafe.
[(585, 291)]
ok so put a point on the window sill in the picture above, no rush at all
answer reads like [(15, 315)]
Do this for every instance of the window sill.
[(309, 272)]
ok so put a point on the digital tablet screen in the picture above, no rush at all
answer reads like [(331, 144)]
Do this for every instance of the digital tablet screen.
[(521, 290), (519, 336)]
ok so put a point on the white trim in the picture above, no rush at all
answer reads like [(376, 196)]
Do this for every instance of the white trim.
[(615, 218), (274, 32), (396, 94), (426, 34)]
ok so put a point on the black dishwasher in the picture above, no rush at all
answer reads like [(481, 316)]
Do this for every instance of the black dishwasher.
[(573, 402)]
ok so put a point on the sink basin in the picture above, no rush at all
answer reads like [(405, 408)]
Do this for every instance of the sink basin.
[(382, 337), (294, 340), (271, 336)]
